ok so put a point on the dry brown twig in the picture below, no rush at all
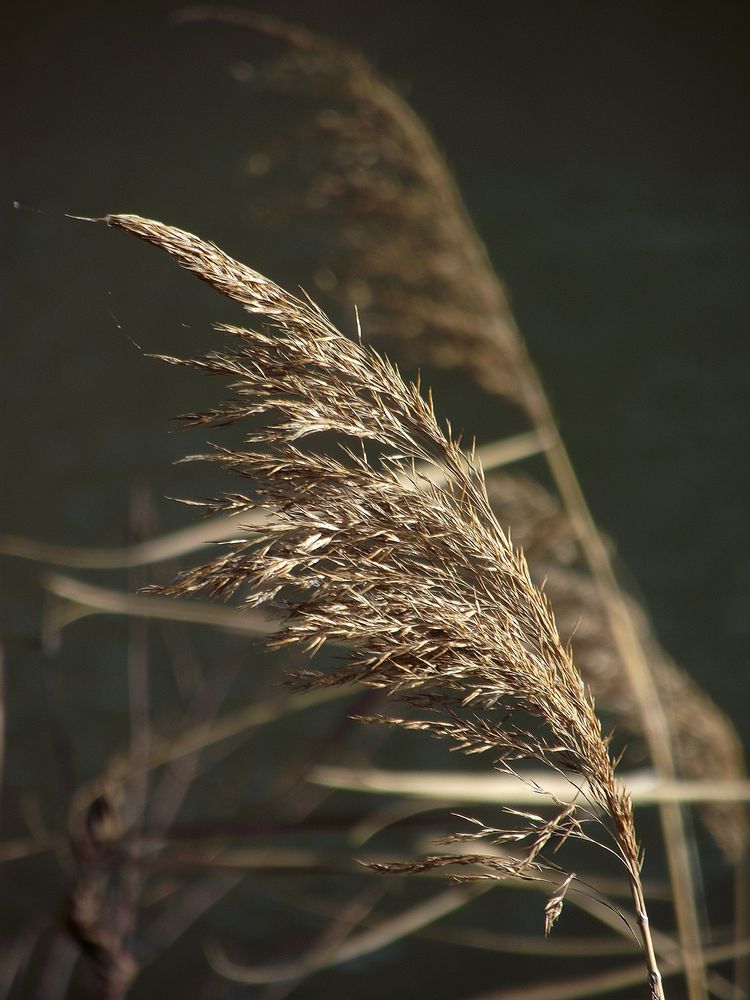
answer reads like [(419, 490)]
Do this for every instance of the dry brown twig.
[(422, 583)]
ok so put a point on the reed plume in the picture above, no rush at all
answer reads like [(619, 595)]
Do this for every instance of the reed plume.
[(360, 174), (416, 577)]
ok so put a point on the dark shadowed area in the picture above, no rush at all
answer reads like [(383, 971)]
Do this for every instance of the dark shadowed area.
[(602, 151)]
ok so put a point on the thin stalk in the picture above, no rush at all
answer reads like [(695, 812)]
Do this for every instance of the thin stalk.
[(655, 725), (644, 928)]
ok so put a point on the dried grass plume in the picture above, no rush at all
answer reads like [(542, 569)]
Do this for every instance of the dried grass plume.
[(417, 579)]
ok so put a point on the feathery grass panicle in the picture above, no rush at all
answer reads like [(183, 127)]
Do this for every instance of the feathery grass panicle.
[(360, 174), (361, 168), (422, 584)]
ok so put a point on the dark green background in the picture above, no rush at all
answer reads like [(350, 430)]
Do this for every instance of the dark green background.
[(602, 151)]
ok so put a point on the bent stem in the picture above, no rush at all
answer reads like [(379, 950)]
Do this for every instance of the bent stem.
[(654, 976), (633, 865), (640, 678)]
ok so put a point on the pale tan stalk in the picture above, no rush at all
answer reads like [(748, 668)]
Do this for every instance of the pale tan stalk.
[(216, 529)]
